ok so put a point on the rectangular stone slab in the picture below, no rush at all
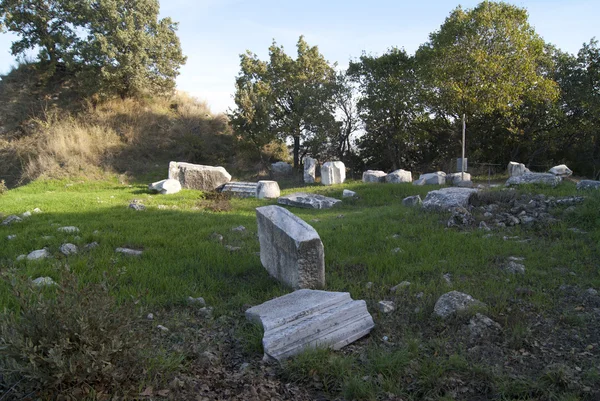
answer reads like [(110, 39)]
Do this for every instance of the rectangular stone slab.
[(308, 319), (241, 189), (290, 249)]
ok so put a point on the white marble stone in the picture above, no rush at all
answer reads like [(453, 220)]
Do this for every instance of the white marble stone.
[(346, 193), (333, 173), (196, 176), (268, 190), (241, 189), (68, 229), (308, 200), (38, 254), (310, 170), (534, 178), (446, 198), (399, 177), (561, 171), (307, 319), (290, 249), (437, 178), (373, 176), (165, 187), (516, 169), (129, 252)]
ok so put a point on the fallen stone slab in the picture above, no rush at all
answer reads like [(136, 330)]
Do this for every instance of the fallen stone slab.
[(447, 198), (310, 170), (437, 178), (346, 193), (398, 177), (200, 177), (308, 200), (241, 189), (373, 176), (267, 190), (11, 219), (534, 178), (307, 319), (561, 170), (411, 201), (588, 184), (129, 252), (68, 229), (290, 249), (165, 187), (454, 302), (38, 254), (333, 173), (516, 169)]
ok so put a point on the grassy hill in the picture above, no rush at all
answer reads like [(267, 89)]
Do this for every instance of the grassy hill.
[(546, 349)]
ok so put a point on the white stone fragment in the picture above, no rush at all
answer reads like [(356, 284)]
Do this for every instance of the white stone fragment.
[(534, 178), (308, 200), (411, 201), (516, 169), (437, 178), (43, 281), (196, 176), (457, 178), (68, 249), (453, 302), (346, 193), (290, 249), (38, 254), (373, 176), (386, 306), (68, 229), (310, 170), (11, 237), (307, 319), (26, 214), (128, 251), (561, 171), (399, 177), (241, 189), (267, 190), (165, 187), (37, 210), (333, 173)]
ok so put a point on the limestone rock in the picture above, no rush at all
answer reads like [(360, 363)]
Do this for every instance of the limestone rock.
[(308, 200), (456, 178), (306, 319), (43, 282), (90, 246), (281, 168), (398, 287), (373, 176), (588, 184), (446, 198), (482, 327), (412, 201), (138, 207), (516, 169), (197, 301), (386, 306), (290, 249), (333, 173), (11, 219), (129, 252), (38, 254), (26, 214), (398, 177), (268, 190), (68, 229), (453, 302), (196, 176), (310, 170), (165, 187), (241, 189), (561, 170), (534, 178), (37, 210), (346, 193), (68, 249), (437, 178)]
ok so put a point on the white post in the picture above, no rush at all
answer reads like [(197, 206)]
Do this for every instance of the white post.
[(462, 161)]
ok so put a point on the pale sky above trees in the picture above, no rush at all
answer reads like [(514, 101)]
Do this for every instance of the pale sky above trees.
[(214, 33)]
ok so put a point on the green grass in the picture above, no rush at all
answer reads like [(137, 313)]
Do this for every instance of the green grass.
[(180, 260)]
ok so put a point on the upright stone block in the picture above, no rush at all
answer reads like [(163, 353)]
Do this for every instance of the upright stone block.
[(310, 170), (196, 176), (290, 249), (333, 173), (373, 176), (268, 189), (516, 169), (399, 176)]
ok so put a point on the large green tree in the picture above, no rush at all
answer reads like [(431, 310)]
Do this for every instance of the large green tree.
[(486, 60), (285, 98), (116, 47)]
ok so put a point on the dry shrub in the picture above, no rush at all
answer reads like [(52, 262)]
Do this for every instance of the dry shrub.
[(3, 188), (75, 342)]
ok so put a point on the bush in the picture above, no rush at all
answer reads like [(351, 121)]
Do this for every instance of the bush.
[(71, 340), (3, 188)]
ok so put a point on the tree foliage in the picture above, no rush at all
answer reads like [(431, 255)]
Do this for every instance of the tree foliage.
[(116, 47), (285, 98)]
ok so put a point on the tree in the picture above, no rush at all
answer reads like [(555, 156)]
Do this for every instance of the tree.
[(487, 60), (284, 98), (116, 47), (390, 108)]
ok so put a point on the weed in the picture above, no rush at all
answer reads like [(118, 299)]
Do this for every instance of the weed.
[(3, 188)]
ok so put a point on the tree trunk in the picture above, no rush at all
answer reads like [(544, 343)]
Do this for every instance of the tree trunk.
[(296, 151)]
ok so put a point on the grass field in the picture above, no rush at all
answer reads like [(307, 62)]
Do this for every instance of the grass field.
[(548, 347)]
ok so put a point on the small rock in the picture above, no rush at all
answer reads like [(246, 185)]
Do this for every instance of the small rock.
[(591, 291), (412, 201), (482, 327), (130, 252), (386, 306), (454, 302), (90, 246), (514, 268), (37, 210), (396, 250), (162, 328), (447, 278), (137, 207), (26, 214), (216, 237), (369, 285), (340, 216), (21, 257), (68, 249), (402, 285), (38, 254), (205, 312), (11, 219), (348, 194), (420, 295), (198, 301), (43, 281), (239, 229), (483, 226), (68, 229), (11, 237), (231, 248), (150, 316)]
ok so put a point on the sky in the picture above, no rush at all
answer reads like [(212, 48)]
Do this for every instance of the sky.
[(214, 33)]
